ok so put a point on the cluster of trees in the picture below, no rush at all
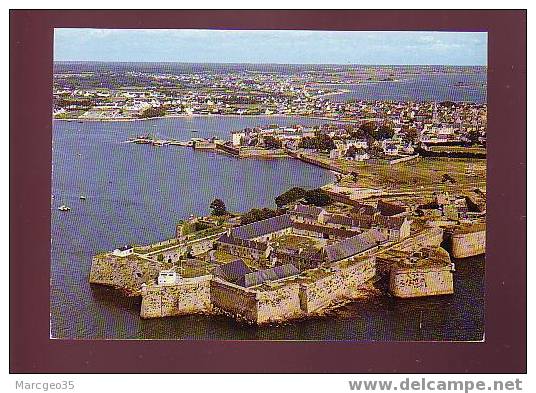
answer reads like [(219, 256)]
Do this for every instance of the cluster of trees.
[(82, 103), (371, 129), (271, 143), (317, 197), (259, 214), (473, 136), (152, 112), (320, 142)]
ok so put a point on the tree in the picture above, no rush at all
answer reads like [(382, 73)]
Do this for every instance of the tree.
[(473, 136), (384, 132), (258, 214), (153, 112), (290, 196), (368, 127), (350, 152), (354, 176), (319, 142), (324, 142), (271, 143), (218, 207), (412, 134), (317, 197)]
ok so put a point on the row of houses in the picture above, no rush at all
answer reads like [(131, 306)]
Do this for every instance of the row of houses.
[(389, 219), (361, 232)]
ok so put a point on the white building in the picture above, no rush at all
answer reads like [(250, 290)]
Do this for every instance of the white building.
[(237, 137), (357, 143), (123, 251), (361, 155), (168, 277)]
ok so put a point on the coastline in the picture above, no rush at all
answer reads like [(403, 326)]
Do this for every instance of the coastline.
[(129, 119)]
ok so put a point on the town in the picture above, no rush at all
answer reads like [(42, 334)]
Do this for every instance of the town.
[(115, 93)]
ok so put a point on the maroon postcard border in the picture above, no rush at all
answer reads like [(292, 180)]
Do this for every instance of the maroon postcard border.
[(31, 349)]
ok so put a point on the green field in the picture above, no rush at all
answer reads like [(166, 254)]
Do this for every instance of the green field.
[(419, 174)]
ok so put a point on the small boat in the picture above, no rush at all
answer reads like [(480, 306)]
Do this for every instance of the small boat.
[(82, 197), (64, 208)]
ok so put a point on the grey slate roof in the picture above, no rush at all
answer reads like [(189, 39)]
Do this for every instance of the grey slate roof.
[(348, 247), (242, 242), (340, 219), (306, 209), (390, 209), (233, 272), (263, 227), (324, 230), (374, 236), (361, 208), (273, 274)]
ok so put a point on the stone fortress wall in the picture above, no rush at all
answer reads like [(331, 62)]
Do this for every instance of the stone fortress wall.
[(195, 247), (465, 245), (191, 296), (342, 283), (277, 301), (410, 283), (127, 273), (272, 303)]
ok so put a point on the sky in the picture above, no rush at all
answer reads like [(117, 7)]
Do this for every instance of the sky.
[(271, 46)]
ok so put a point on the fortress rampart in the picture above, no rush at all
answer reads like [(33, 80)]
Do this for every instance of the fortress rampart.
[(127, 273), (465, 245), (274, 302), (190, 297)]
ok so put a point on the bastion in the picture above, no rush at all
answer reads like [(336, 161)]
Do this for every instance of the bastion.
[(424, 273), (126, 273), (468, 241)]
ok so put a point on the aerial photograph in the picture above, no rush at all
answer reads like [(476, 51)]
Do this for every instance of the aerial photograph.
[(268, 185)]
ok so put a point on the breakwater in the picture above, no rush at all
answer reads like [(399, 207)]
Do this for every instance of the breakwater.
[(314, 161)]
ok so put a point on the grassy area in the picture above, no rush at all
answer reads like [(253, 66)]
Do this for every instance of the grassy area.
[(205, 233), (195, 268), (140, 250), (223, 257), (459, 149), (293, 241), (423, 172)]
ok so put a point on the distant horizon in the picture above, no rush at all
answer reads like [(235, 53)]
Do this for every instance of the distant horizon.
[(252, 63), (300, 47)]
